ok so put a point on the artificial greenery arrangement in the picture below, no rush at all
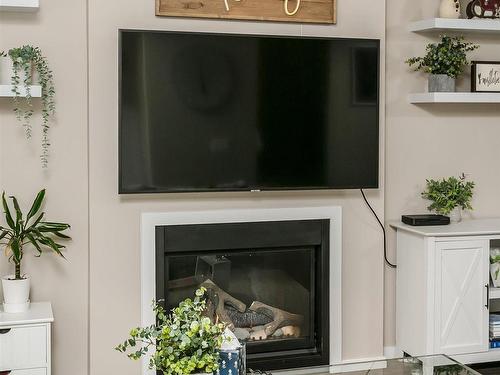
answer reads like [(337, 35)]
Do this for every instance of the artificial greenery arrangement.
[(25, 61), (447, 57), (447, 194), (22, 230), (450, 370), (495, 258), (186, 341)]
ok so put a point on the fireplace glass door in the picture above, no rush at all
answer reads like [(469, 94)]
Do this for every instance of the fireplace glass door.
[(271, 297)]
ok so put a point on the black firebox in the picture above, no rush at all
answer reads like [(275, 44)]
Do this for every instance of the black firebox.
[(270, 279)]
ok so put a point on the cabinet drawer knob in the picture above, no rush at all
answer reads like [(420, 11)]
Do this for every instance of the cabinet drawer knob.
[(3, 332)]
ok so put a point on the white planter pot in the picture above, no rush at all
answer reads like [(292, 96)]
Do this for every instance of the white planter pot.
[(456, 215), (6, 70), (16, 294), (449, 9)]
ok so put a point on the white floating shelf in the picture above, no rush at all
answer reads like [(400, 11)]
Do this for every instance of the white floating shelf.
[(454, 97), (447, 24), (494, 293), (6, 91), (19, 5)]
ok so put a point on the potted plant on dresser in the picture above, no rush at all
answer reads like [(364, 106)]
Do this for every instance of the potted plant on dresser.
[(449, 196), (22, 231), (184, 341), (444, 61)]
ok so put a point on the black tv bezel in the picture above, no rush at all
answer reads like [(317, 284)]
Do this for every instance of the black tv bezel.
[(123, 191)]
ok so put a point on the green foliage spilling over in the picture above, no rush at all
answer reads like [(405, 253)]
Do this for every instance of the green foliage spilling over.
[(447, 57), (25, 61), (23, 230), (186, 341), (446, 194), (451, 370)]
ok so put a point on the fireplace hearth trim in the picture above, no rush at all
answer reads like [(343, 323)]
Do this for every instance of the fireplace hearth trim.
[(149, 221)]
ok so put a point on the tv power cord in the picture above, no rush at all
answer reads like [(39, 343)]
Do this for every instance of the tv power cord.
[(392, 265)]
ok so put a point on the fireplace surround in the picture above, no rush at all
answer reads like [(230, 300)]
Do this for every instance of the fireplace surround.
[(274, 262)]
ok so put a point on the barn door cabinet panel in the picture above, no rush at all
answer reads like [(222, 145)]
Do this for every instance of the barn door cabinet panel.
[(461, 305), (442, 289)]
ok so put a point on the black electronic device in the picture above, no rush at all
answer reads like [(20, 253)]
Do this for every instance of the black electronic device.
[(425, 220)]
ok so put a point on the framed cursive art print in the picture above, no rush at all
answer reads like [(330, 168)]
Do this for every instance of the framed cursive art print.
[(485, 76)]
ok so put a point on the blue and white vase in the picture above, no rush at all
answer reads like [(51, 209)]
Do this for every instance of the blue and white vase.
[(232, 362)]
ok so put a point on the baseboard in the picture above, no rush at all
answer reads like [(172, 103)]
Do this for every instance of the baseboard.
[(363, 364)]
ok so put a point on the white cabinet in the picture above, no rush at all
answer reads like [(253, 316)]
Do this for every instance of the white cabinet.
[(442, 289), (25, 341)]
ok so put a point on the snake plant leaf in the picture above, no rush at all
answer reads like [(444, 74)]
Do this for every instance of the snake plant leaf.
[(50, 243), (37, 203), (53, 224), (8, 216), (19, 214), (61, 235), (15, 246), (3, 234), (35, 244), (38, 219), (52, 227)]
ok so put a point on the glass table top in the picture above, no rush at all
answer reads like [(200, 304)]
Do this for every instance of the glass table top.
[(428, 365)]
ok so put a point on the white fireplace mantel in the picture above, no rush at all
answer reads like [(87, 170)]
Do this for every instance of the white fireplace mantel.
[(149, 221)]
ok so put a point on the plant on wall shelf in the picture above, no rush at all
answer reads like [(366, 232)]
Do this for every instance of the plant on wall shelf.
[(448, 194), (447, 57), (185, 341), (26, 61), (445, 61), (23, 230)]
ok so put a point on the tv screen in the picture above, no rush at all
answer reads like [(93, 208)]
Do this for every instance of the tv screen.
[(218, 112)]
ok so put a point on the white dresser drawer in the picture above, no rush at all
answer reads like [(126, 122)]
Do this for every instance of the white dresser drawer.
[(24, 347), (33, 371)]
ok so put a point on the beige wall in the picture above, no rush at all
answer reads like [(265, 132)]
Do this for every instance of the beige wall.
[(97, 292), (114, 247), (59, 28), (432, 140)]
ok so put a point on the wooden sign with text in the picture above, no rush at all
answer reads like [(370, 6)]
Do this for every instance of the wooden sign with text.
[(304, 11)]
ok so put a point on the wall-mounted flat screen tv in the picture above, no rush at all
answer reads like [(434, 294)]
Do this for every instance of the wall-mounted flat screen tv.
[(218, 112)]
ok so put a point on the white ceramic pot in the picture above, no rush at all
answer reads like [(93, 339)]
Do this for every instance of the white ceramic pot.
[(449, 9), (16, 293), (6, 70), (456, 215)]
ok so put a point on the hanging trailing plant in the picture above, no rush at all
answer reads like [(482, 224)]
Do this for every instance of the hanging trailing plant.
[(26, 61)]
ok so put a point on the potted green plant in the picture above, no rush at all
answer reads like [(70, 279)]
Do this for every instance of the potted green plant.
[(30, 66), (21, 231), (185, 341), (444, 61), (495, 266), (449, 196)]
